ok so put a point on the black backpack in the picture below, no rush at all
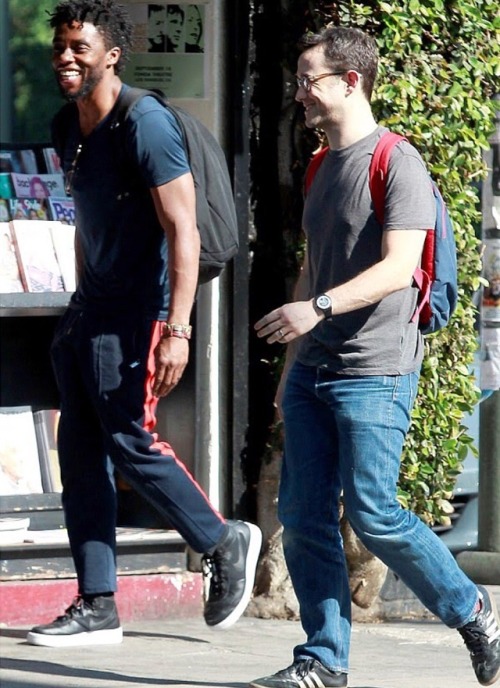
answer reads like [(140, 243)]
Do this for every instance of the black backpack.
[(215, 209)]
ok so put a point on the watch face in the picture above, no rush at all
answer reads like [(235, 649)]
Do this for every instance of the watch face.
[(323, 301)]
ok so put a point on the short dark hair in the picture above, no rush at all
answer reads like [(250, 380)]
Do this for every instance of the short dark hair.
[(347, 47), (109, 17), (155, 8), (175, 9)]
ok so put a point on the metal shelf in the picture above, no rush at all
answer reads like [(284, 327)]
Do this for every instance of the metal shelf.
[(29, 304)]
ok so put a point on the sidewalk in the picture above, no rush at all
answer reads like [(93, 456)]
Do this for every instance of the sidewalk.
[(184, 653)]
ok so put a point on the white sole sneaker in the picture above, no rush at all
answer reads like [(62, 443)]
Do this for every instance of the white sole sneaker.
[(112, 636), (254, 546)]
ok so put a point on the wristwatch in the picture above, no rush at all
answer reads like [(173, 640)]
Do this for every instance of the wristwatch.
[(323, 304)]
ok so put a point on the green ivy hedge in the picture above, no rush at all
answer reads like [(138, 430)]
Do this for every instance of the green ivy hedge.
[(440, 63)]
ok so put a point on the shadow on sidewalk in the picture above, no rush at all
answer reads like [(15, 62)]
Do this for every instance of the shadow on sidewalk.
[(101, 677)]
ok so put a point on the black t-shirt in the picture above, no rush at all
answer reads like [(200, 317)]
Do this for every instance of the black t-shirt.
[(124, 246)]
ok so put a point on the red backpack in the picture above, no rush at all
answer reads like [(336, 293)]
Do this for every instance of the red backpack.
[(436, 278)]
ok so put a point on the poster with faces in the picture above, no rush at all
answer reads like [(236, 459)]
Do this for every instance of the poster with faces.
[(169, 48)]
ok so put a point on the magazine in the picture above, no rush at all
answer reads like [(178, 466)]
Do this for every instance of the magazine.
[(10, 278), (38, 185), (29, 208), (62, 210), (25, 161), (63, 238), (36, 257), (6, 190), (52, 161), (22, 161), (4, 210), (19, 465), (6, 164)]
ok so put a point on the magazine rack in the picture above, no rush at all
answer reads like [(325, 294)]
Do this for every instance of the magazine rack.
[(27, 324)]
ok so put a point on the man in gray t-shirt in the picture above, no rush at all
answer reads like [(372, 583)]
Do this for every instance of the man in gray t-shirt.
[(344, 239), (351, 377)]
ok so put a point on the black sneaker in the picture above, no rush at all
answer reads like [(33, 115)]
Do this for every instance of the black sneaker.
[(482, 638), (304, 673), (229, 574), (83, 623)]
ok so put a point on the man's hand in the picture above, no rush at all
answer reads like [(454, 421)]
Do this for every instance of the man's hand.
[(288, 322), (171, 357)]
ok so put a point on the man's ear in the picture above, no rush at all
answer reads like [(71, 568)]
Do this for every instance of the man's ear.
[(353, 78), (114, 55)]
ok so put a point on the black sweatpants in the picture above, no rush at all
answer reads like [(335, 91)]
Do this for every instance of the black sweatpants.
[(104, 368)]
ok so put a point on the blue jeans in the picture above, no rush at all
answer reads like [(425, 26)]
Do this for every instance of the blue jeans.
[(345, 433)]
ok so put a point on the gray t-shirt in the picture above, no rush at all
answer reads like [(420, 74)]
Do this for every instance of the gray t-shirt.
[(344, 238)]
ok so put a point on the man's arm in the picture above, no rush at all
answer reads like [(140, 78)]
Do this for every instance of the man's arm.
[(401, 250), (175, 205)]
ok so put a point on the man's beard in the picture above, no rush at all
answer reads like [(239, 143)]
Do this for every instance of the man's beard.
[(86, 89)]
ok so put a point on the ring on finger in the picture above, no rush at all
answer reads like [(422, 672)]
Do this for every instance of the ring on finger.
[(280, 332)]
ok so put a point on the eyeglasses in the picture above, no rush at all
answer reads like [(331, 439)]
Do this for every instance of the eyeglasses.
[(306, 82), (71, 172)]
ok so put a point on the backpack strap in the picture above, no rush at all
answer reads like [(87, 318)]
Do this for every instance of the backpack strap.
[(379, 165), (424, 274), (128, 99), (124, 105), (130, 177), (377, 175)]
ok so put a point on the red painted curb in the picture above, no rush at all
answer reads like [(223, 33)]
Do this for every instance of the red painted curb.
[(153, 596)]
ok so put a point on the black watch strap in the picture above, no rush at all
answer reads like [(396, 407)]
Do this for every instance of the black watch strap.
[(323, 304)]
